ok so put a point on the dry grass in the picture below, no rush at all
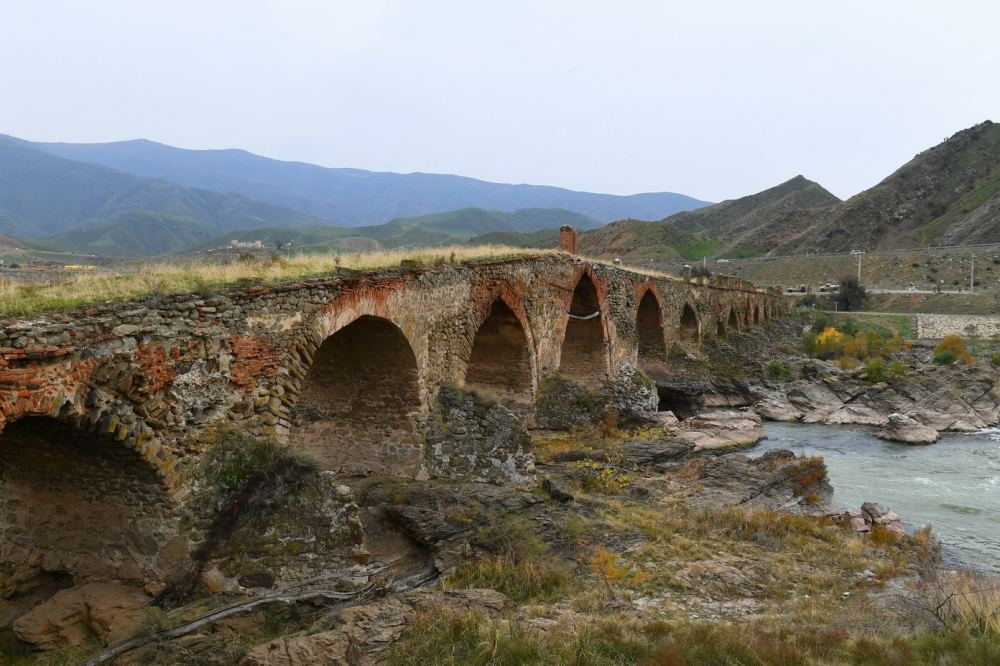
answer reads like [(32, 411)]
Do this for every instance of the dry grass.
[(200, 276)]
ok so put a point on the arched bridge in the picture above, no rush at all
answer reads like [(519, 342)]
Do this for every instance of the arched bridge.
[(100, 409)]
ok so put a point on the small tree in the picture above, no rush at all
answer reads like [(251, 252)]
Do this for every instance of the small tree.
[(852, 294)]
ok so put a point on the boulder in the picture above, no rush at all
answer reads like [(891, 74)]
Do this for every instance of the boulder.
[(882, 516), (70, 617), (666, 419), (774, 410), (902, 428), (722, 429)]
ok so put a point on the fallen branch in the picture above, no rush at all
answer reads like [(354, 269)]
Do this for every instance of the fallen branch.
[(219, 614)]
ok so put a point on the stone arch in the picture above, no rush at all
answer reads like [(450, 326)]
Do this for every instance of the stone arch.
[(734, 320), (652, 347), (357, 402), (501, 362), (79, 506), (720, 329), (583, 356), (690, 327)]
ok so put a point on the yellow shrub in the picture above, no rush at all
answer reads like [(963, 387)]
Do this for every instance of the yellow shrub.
[(829, 343)]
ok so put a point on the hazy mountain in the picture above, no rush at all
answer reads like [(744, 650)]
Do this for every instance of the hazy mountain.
[(354, 197), (41, 195), (947, 195), (438, 229)]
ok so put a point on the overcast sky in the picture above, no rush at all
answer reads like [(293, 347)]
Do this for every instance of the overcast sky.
[(712, 99)]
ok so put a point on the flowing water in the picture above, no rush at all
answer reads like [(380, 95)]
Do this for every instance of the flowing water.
[(954, 485)]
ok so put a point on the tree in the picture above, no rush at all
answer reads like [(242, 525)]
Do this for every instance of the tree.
[(852, 294)]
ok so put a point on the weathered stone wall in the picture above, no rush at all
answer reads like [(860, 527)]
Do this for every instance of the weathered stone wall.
[(347, 368), (939, 326)]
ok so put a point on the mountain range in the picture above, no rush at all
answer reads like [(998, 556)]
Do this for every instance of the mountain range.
[(144, 198), (946, 195)]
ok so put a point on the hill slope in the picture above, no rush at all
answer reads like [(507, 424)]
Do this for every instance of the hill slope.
[(354, 197), (947, 195), (41, 195), (438, 229), (737, 227)]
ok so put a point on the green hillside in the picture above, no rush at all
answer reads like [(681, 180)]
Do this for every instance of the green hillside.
[(43, 196), (438, 229)]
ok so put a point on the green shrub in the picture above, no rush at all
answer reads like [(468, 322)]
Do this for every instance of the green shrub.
[(944, 357), (995, 359), (777, 370), (517, 563), (952, 348), (875, 370)]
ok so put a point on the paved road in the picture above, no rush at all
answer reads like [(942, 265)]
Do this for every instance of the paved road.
[(875, 290)]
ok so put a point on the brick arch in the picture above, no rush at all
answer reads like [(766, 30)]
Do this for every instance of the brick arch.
[(650, 327), (689, 324), (733, 322), (584, 352), (360, 395), (92, 507), (502, 357)]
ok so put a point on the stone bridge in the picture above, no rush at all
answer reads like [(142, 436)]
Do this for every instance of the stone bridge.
[(103, 409)]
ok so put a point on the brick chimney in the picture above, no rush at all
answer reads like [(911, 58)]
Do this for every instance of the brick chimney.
[(567, 239)]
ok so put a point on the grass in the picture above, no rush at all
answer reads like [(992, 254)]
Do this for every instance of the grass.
[(194, 276), (14, 653), (445, 636), (517, 562), (198, 276)]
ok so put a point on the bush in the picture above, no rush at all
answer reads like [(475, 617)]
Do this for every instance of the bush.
[(852, 295), (952, 348), (944, 357), (875, 370), (995, 359), (847, 363), (777, 370), (517, 563), (829, 343)]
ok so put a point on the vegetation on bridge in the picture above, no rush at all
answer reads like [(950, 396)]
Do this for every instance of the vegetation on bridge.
[(163, 278)]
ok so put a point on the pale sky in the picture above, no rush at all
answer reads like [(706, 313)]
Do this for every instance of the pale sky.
[(709, 98)]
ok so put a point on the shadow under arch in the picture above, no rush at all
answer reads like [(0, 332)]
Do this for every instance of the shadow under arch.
[(584, 355), (652, 346), (734, 320), (357, 403), (500, 362), (83, 507), (689, 330)]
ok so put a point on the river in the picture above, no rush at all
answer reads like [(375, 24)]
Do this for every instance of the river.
[(953, 485)]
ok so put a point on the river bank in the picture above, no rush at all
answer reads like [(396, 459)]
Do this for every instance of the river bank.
[(951, 485)]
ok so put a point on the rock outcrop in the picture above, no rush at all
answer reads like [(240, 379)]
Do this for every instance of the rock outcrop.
[(106, 611), (361, 635), (722, 429), (778, 480), (941, 398), (902, 428)]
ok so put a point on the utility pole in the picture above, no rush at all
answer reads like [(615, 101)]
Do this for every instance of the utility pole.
[(859, 253), (972, 274)]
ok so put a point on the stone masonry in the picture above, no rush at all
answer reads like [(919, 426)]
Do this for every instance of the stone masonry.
[(103, 409)]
